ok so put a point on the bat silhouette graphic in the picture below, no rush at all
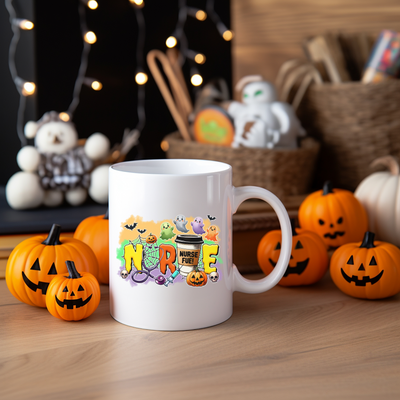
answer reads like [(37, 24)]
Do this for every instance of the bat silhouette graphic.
[(210, 217), (141, 230), (131, 227)]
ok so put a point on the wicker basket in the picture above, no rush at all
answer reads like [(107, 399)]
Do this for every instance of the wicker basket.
[(355, 123), (283, 172)]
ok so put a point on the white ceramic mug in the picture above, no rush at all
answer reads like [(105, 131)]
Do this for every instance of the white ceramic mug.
[(171, 243)]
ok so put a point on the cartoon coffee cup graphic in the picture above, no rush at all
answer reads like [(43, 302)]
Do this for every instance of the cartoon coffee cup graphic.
[(188, 249)]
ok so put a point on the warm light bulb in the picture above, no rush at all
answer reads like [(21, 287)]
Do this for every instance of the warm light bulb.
[(227, 35), (201, 15), (92, 4), (96, 85), (171, 42), (141, 78), (90, 37), (26, 25), (64, 116), (164, 145), (139, 3), (200, 58), (28, 88), (196, 80)]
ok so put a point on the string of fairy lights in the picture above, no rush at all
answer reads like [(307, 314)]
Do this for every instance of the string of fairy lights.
[(176, 39), (24, 87)]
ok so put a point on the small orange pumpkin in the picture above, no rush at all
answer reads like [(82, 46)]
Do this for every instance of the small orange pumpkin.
[(73, 297), (367, 270), (37, 260), (151, 239), (335, 214), (94, 232), (196, 278), (309, 258)]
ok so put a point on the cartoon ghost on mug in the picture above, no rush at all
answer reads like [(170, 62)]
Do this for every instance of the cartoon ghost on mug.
[(212, 233), (180, 223), (197, 226), (166, 231)]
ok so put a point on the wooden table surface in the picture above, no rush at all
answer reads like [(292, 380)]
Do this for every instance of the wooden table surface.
[(289, 343)]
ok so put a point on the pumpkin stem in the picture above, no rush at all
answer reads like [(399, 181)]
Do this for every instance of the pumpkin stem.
[(106, 216), (327, 188), (54, 236), (73, 273), (368, 241), (388, 161), (293, 225)]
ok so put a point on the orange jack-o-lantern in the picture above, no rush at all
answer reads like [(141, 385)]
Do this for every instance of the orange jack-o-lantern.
[(308, 261), (74, 296), (196, 278), (335, 214), (151, 239), (37, 260), (367, 270)]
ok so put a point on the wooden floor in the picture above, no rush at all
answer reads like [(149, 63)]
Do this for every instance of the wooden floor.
[(289, 343)]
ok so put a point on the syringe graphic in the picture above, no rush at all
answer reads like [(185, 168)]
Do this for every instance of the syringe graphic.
[(172, 277)]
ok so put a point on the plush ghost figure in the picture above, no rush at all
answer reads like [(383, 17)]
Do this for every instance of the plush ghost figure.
[(56, 167), (260, 120)]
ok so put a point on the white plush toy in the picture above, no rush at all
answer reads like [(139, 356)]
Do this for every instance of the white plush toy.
[(57, 166), (260, 120)]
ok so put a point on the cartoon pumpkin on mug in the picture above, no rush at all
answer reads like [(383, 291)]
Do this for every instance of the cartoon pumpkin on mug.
[(197, 277), (151, 239), (367, 269), (335, 214), (309, 257)]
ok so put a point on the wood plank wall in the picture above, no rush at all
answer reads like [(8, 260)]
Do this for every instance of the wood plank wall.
[(269, 32)]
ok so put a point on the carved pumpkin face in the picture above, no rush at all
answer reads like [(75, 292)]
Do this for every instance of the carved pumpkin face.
[(73, 297), (335, 214), (196, 278), (151, 239), (309, 258), (36, 261), (367, 270)]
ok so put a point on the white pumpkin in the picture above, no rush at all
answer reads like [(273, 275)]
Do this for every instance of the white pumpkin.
[(379, 193)]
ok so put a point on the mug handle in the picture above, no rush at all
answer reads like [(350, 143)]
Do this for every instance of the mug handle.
[(241, 284)]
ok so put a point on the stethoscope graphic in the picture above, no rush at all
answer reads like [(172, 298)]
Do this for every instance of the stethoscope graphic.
[(145, 273)]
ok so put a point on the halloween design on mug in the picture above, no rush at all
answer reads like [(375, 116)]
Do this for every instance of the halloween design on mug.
[(170, 251)]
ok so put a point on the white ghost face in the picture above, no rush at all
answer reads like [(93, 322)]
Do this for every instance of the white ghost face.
[(56, 137), (124, 274), (214, 276), (180, 218), (259, 92)]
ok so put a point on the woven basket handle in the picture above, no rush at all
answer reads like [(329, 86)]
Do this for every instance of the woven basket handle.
[(241, 284), (180, 121)]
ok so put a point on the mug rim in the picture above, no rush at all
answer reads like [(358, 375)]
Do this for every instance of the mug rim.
[(147, 167)]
